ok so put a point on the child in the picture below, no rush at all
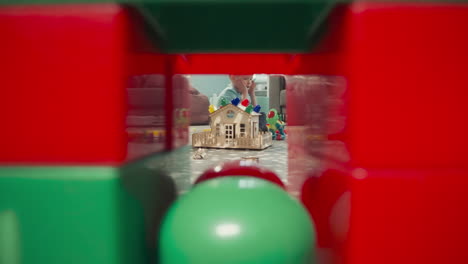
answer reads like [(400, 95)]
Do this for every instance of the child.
[(241, 86)]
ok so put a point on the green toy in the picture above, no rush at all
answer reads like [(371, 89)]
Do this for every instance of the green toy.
[(275, 125), (249, 109), (224, 102), (234, 220)]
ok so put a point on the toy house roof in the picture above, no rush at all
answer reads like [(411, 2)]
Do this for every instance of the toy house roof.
[(235, 108)]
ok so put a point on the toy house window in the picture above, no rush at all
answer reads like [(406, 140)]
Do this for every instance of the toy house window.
[(230, 114), (218, 130), (229, 129), (242, 130)]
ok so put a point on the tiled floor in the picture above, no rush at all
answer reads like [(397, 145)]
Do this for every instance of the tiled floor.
[(293, 166), (275, 157)]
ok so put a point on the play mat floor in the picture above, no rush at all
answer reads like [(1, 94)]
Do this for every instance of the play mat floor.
[(274, 157)]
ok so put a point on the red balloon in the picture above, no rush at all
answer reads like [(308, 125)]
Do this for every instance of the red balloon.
[(240, 168)]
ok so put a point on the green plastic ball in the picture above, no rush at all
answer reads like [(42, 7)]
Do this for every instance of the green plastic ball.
[(237, 220)]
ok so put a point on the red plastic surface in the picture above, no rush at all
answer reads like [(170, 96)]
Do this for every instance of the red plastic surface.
[(235, 63), (180, 111), (62, 81), (408, 217), (406, 72), (319, 195), (69, 95), (240, 168)]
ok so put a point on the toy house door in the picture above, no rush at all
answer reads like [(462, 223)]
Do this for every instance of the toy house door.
[(254, 129), (230, 132)]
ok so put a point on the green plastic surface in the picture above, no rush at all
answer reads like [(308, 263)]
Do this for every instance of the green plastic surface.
[(71, 215), (236, 26), (105, 215), (195, 26), (234, 220), (9, 238)]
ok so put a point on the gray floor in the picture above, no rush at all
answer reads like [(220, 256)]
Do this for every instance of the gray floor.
[(275, 157), (285, 158)]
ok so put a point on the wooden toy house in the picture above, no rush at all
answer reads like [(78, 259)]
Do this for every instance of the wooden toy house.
[(232, 127)]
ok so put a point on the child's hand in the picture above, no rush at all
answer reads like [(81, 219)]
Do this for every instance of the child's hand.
[(252, 88), (241, 88), (243, 85)]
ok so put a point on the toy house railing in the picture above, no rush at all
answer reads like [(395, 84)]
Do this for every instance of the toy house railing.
[(206, 139), (266, 139), (257, 143), (245, 142), (203, 139)]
